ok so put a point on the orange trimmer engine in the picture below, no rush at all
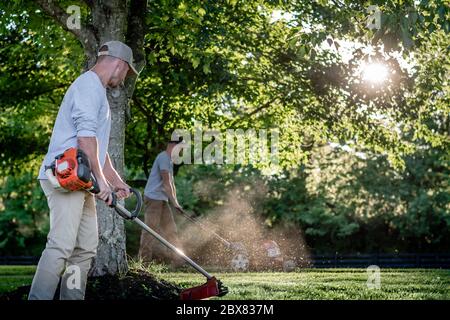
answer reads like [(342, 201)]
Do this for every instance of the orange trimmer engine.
[(72, 171)]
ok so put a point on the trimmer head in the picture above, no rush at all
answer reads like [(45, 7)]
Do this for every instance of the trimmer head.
[(212, 288)]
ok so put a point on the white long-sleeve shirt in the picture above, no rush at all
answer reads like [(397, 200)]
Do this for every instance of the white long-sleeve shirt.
[(84, 112)]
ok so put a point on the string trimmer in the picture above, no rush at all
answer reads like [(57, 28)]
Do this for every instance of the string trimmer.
[(70, 171), (211, 288)]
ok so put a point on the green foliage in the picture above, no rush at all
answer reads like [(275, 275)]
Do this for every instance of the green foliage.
[(35, 69), (343, 201), (23, 216), (231, 64), (347, 204)]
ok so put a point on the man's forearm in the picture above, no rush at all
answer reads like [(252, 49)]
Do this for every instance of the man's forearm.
[(174, 189), (90, 146), (110, 173), (170, 192)]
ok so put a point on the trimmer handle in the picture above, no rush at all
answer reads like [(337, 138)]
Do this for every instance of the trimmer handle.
[(95, 187), (181, 210), (124, 213)]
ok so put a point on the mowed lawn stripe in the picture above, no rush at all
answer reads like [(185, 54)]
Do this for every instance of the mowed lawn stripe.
[(304, 284)]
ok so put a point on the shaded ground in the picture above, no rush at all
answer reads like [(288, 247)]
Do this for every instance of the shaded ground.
[(136, 285), (303, 284)]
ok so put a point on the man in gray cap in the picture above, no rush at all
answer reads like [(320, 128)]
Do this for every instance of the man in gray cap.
[(83, 121)]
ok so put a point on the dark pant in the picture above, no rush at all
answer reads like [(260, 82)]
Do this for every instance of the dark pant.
[(159, 217)]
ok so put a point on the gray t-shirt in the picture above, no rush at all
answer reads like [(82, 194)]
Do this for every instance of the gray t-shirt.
[(154, 188), (84, 112)]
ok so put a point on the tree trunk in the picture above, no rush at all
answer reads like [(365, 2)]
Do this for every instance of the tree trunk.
[(111, 256), (110, 20)]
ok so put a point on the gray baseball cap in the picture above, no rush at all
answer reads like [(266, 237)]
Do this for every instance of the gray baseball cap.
[(119, 50), (176, 140)]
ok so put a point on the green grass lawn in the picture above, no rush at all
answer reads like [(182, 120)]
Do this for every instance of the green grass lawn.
[(12, 277), (304, 284)]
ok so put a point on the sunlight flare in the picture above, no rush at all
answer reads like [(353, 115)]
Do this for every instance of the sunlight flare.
[(374, 73)]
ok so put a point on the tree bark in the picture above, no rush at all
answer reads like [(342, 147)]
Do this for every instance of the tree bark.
[(111, 252), (111, 20)]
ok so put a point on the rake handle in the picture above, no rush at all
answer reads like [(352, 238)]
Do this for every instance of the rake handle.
[(201, 225)]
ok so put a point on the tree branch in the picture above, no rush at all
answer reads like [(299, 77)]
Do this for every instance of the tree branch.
[(84, 34), (136, 31), (135, 38), (255, 111), (143, 109), (264, 106)]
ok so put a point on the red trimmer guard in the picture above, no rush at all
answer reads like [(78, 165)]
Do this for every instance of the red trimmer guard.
[(207, 290)]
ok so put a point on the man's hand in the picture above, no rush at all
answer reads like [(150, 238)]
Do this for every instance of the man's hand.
[(122, 190), (169, 188), (105, 191), (90, 146)]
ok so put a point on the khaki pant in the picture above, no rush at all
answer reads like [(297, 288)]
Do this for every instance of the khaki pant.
[(71, 244), (159, 217)]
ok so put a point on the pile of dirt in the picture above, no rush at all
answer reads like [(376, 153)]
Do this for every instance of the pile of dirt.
[(135, 285)]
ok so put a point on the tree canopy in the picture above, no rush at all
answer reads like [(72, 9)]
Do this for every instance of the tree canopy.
[(290, 65)]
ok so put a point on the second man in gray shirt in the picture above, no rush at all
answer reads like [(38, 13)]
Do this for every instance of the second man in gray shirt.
[(160, 189)]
